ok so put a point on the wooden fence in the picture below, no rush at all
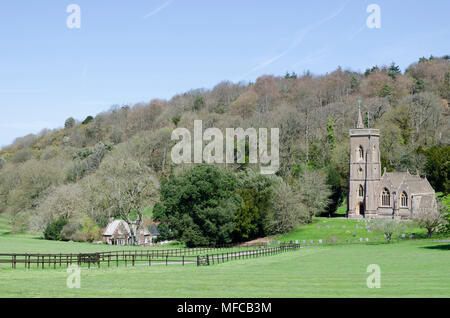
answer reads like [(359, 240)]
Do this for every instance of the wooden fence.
[(181, 256), (217, 258)]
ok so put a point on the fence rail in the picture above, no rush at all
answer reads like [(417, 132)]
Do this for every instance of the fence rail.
[(182, 256)]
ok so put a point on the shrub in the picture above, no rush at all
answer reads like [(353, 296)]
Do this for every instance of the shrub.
[(90, 230), (22, 156), (53, 230), (69, 231), (332, 239)]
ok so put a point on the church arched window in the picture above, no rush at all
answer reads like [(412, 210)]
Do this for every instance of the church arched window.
[(385, 198), (361, 152), (404, 200), (360, 191)]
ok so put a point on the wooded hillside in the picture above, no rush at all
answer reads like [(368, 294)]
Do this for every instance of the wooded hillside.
[(84, 171)]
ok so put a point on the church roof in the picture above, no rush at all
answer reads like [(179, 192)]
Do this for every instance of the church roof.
[(415, 183), (426, 201)]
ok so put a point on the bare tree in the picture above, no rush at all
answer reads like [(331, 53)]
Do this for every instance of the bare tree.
[(388, 227), (125, 188), (288, 211), (430, 217)]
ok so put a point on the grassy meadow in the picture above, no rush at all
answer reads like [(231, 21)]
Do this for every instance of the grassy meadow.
[(409, 268), (343, 230), (418, 269)]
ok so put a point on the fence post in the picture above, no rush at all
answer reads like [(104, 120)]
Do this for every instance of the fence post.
[(198, 260), (167, 259), (183, 260)]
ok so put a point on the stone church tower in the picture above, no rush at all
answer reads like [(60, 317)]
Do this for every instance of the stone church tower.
[(365, 171), (396, 195)]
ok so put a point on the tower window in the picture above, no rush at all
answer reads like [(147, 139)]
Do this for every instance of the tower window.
[(361, 152), (386, 198), (361, 191), (404, 200)]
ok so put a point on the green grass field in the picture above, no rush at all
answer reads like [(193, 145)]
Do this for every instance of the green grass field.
[(416, 268), (342, 230)]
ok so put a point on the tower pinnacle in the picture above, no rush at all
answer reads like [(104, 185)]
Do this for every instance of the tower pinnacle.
[(360, 124)]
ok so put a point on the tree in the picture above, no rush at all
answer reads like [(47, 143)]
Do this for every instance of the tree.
[(66, 202), (200, 206), (199, 103), (313, 191), (388, 227), (354, 84), (176, 120), (331, 138), (437, 167), (287, 211), (430, 217), (87, 120), (386, 91), (393, 71), (245, 105), (70, 123), (124, 188), (256, 192)]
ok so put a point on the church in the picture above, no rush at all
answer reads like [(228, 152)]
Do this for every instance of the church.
[(396, 195)]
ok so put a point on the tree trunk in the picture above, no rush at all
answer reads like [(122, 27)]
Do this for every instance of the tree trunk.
[(430, 231)]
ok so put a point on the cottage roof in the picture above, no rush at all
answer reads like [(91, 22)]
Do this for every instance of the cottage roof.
[(114, 225), (154, 230)]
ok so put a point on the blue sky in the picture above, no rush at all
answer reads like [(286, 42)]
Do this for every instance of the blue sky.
[(133, 51)]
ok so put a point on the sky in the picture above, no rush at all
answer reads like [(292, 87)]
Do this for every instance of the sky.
[(130, 51)]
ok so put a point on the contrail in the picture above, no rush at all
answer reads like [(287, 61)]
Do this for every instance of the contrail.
[(301, 34), (160, 8)]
